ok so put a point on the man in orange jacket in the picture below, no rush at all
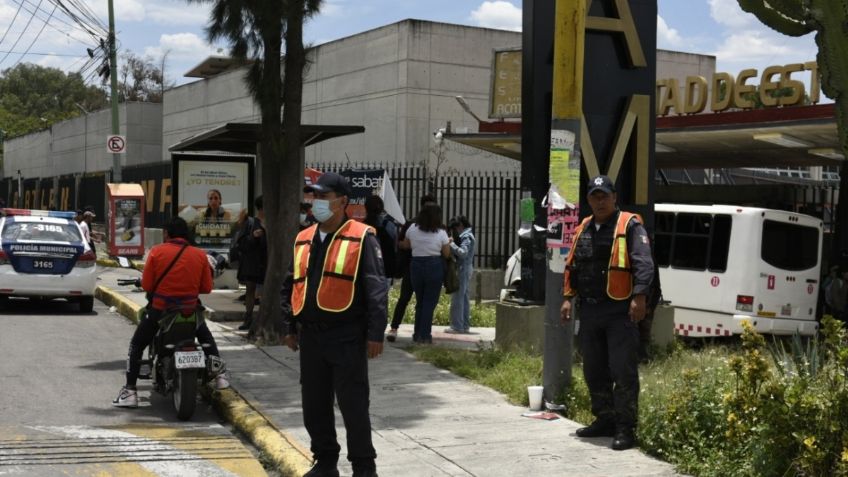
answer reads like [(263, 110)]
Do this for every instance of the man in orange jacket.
[(610, 271), (171, 287), (334, 300)]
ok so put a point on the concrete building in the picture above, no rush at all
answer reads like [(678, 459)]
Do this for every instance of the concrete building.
[(400, 81)]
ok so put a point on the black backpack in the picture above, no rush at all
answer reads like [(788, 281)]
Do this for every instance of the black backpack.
[(235, 250)]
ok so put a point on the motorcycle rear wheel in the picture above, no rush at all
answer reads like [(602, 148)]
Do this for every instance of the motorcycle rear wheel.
[(185, 393)]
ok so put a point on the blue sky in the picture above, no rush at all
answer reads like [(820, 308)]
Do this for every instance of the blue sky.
[(152, 27)]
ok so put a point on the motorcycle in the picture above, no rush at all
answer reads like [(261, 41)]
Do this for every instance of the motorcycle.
[(176, 362)]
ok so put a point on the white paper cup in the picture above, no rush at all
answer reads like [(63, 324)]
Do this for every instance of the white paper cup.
[(534, 393)]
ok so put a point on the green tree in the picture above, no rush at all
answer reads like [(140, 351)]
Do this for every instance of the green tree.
[(33, 97), (829, 19), (30, 92), (141, 79), (256, 31)]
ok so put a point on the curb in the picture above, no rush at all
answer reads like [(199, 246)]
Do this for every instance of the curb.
[(125, 307), (286, 453)]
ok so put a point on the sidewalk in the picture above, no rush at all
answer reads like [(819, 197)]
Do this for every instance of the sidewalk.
[(426, 421)]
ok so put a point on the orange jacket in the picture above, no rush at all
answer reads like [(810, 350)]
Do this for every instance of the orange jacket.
[(619, 275), (189, 277), (341, 266)]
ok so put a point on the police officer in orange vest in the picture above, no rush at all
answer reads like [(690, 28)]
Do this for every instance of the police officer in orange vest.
[(609, 270), (334, 300)]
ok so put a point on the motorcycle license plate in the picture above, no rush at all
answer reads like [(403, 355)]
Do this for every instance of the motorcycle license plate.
[(189, 359)]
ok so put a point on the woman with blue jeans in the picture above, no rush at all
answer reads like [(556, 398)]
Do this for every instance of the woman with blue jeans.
[(429, 243), (463, 250)]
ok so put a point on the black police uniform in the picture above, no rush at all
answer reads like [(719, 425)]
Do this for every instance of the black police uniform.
[(333, 354), (609, 340)]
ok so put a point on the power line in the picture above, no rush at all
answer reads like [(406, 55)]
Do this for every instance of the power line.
[(22, 33), (21, 4), (35, 39), (44, 54), (12, 22)]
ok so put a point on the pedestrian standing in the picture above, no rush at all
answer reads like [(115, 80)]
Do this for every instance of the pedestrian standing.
[(429, 243), (334, 302), (387, 233), (253, 252), (402, 263), (609, 271), (462, 248), (86, 226)]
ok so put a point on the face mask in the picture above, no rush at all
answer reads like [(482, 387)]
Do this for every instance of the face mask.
[(321, 210), (302, 219)]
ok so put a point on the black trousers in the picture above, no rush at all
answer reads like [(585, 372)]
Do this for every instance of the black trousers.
[(143, 336), (609, 342), (403, 300), (334, 363)]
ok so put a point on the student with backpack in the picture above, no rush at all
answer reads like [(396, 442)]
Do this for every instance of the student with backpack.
[(387, 233)]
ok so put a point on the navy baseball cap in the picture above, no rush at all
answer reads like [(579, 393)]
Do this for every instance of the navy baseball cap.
[(601, 183), (330, 182)]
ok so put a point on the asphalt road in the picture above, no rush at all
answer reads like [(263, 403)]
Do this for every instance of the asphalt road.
[(59, 371)]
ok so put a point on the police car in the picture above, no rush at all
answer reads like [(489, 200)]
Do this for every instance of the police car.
[(43, 255)]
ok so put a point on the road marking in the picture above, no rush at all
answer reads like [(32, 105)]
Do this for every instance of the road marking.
[(192, 450)]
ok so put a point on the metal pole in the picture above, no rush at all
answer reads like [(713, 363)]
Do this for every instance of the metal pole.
[(113, 75), (567, 110)]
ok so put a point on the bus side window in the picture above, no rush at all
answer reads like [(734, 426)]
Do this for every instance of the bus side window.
[(663, 238), (691, 241), (720, 243)]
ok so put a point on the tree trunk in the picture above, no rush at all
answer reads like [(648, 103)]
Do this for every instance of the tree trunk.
[(271, 155), (285, 177)]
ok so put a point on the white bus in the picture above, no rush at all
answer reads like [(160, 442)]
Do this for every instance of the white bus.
[(722, 264)]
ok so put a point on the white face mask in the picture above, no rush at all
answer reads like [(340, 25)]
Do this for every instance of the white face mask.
[(321, 210), (302, 219)]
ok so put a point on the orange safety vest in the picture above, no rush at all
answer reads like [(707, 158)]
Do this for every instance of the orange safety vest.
[(341, 265), (619, 277)]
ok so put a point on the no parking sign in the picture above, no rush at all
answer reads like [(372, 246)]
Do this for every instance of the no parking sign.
[(116, 144)]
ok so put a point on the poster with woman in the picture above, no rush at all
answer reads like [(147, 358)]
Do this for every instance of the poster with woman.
[(212, 192)]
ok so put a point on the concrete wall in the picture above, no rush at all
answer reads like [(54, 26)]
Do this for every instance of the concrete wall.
[(196, 107), (79, 145), (679, 65), (399, 81)]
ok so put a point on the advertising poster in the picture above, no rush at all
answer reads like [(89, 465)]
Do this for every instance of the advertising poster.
[(211, 192), (126, 220), (363, 184), (564, 192)]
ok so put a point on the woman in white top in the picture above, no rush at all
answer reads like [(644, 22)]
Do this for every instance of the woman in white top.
[(430, 246)]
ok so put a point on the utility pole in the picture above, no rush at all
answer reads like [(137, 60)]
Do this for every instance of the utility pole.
[(564, 192), (113, 75)]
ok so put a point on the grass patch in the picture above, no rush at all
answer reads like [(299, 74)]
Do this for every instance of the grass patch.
[(482, 315)]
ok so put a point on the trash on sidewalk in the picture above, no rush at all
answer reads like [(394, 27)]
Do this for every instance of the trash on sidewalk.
[(543, 415)]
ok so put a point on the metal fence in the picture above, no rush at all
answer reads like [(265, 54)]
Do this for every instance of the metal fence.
[(489, 200)]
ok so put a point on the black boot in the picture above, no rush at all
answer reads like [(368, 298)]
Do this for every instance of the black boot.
[(599, 428), (247, 322), (321, 470), (624, 439)]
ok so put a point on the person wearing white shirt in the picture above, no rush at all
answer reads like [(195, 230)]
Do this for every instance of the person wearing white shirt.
[(429, 243)]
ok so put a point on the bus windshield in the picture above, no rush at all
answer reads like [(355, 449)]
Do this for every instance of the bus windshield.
[(790, 246)]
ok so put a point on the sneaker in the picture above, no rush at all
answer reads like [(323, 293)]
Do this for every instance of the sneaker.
[(453, 331), (391, 336), (221, 382), (126, 398), (245, 326)]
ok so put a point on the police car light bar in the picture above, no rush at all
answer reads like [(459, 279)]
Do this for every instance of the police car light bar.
[(9, 212)]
